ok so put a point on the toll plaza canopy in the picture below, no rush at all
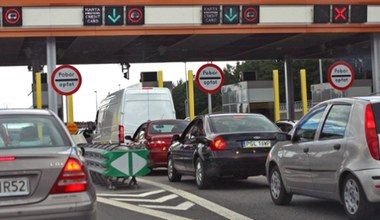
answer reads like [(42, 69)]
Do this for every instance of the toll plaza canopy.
[(140, 31)]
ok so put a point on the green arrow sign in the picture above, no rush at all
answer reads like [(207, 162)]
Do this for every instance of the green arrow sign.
[(231, 14), (127, 163), (114, 15)]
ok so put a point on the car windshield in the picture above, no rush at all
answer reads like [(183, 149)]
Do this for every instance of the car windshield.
[(30, 131), (241, 123), (168, 127)]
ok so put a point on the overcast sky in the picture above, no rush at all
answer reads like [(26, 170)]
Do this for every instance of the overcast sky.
[(16, 83)]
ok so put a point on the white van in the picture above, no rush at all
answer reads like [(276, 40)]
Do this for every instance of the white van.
[(121, 112)]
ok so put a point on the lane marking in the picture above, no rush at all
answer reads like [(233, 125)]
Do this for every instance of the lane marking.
[(143, 210), (159, 200), (183, 206), (220, 210), (141, 195)]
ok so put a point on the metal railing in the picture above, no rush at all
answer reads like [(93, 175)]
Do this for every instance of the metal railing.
[(114, 165)]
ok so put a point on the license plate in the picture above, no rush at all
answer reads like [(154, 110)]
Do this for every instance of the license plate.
[(14, 187), (251, 144)]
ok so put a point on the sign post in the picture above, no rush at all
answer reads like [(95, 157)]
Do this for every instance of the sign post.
[(66, 80), (210, 79), (341, 75)]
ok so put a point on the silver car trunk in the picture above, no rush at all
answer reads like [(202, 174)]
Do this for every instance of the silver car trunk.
[(28, 174)]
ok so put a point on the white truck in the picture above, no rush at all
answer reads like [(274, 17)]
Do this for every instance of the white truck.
[(121, 112)]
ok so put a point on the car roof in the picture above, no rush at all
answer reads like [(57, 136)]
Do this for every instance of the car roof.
[(25, 111)]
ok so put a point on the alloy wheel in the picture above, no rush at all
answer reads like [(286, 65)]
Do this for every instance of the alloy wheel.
[(275, 185), (351, 196)]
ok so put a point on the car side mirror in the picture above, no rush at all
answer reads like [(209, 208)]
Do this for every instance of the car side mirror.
[(283, 137), (128, 137), (81, 151), (175, 138)]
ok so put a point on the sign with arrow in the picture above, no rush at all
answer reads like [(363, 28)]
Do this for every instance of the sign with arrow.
[(114, 15), (231, 14), (131, 163)]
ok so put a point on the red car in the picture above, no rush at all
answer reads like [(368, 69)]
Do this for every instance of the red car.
[(157, 136)]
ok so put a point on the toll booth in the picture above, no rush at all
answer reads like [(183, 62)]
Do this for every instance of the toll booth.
[(249, 97), (324, 91)]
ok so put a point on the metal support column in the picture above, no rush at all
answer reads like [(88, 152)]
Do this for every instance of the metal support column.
[(51, 61), (289, 88), (375, 59)]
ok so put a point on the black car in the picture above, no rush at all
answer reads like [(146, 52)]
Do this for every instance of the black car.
[(222, 145)]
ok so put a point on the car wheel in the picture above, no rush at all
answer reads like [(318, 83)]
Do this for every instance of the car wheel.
[(202, 180), (277, 189), (355, 202), (173, 175)]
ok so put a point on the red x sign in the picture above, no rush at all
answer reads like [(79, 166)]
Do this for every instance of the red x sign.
[(340, 13)]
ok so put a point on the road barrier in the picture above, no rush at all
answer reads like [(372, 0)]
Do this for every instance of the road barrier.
[(113, 165)]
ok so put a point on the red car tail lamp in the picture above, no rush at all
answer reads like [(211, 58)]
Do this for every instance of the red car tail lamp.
[(371, 133), (121, 134), (7, 158), (218, 144), (154, 144), (73, 178)]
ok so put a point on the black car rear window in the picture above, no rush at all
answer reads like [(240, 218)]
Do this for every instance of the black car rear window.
[(242, 123)]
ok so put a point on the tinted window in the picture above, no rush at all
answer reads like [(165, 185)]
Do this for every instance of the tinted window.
[(241, 123), (308, 126), (31, 131), (336, 122), (168, 127)]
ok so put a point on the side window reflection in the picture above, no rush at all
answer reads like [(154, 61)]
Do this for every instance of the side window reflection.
[(336, 122), (308, 127)]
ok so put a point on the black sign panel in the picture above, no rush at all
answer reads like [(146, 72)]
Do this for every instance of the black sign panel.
[(321, 13), (231, 14), (114, 15), (359, 13), (250, 14), (92, 15), (135, 15), (340, 14), (12, 16), (211, 14)]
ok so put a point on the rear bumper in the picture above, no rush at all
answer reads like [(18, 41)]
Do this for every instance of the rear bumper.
[(228, 163), (158, 158), (370, 180), (73, 206)]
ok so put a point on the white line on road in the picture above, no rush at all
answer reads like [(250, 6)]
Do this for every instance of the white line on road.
[(183, 206), (145, 211), (220, 210), (141, 195), (159, 200)]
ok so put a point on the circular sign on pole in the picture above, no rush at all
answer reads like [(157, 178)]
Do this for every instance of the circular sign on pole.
[(341, 75), (66, 80), (209, 78)]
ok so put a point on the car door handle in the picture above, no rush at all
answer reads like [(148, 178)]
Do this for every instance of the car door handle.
[(306, 150), (337, 146)]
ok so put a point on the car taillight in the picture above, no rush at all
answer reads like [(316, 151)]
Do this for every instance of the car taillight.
[(7, 158), (121, 134), (218, 144), (371, 133), (157, 144), (73, 178)]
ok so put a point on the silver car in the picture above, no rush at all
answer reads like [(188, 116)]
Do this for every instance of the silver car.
[(332, 153), (42, 171)]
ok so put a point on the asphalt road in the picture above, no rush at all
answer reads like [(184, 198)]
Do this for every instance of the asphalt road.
[(157, 198)]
